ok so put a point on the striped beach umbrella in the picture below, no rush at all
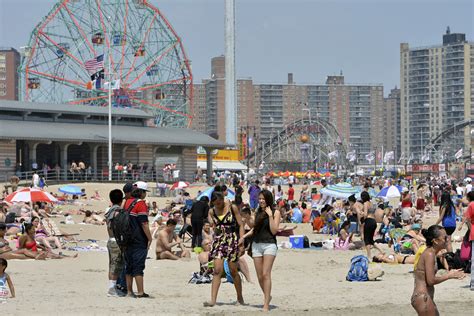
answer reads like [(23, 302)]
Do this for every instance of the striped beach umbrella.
[(30, 195), (179, 185), (390, 192), (341, 190)]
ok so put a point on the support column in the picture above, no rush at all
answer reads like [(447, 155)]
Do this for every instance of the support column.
[(209, 165), (64, 163), (32, 152), (124, 154), (94, 149)]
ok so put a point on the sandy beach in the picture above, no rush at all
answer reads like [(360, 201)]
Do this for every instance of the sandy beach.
[(305, 282)]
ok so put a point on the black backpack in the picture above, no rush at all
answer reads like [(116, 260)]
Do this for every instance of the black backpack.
[(120, 225)]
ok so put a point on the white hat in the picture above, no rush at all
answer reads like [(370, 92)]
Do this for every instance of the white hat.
[(141, 185)]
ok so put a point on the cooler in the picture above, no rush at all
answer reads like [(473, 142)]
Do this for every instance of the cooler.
[(297, 241)]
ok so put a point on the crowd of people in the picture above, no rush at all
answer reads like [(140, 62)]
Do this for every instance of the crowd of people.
[(223, 229)]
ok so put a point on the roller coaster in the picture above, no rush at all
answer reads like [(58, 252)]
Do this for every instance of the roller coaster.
[(283, 149)]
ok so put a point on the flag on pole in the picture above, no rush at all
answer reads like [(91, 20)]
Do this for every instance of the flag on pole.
[(402, 157), (389, 155), (410, 158), (458, 154), (333, 154), (370, 156), (94, 65), (115, 84), (351, 156)]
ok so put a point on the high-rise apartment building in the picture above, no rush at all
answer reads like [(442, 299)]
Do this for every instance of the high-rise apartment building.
[(9, 63), (437, 84), (199, 108), (355, 110), (391, 123)]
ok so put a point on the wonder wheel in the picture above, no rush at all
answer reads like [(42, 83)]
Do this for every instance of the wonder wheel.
[(72, 49)]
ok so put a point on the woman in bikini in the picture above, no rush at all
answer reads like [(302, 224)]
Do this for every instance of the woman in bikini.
[(27, 241), (43, 237), (227, 226), (394, 258), (422, 299), (8, 253)]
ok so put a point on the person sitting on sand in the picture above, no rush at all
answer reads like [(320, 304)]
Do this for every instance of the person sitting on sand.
[(207, 268), (157, 225), (207, 232), (93, 219), (27, 241), (43, 237), (344, 239), (8, 253), (166, 240)]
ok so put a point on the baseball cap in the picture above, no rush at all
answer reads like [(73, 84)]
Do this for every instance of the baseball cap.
[(128, 187), (141, 185)]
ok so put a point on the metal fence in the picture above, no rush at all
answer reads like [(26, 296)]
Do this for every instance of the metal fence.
[(62, 176)]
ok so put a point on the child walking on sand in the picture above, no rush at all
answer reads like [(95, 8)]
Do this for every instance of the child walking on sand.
[(4, 280)]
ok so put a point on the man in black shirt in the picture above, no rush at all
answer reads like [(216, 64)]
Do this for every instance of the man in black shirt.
[(199, 212)]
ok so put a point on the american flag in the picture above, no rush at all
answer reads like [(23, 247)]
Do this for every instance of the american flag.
[(94, 65)]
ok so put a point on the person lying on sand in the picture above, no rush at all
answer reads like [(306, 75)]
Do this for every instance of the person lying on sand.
[(394, 258), (166, 240), (93, 219)]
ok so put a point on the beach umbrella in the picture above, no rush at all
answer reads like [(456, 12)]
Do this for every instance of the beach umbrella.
[(179, 185), (372, 192), (341, 190), (328, 174), (390, 192), (315, 182), (71, 189), (30, 195), (208, 193), (286, 174)]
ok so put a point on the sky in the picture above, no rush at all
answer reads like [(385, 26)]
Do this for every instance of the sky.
[(310, 38)]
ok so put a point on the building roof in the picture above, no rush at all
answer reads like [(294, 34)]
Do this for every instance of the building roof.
[(79, 109), (70, 132)]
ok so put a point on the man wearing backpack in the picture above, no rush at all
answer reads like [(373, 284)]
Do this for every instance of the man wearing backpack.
[(137, 247), (115, 254)]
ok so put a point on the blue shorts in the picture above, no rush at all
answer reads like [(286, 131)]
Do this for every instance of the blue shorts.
[(135, 260)]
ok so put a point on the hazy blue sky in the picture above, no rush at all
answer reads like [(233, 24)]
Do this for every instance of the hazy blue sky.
[(311, 38)]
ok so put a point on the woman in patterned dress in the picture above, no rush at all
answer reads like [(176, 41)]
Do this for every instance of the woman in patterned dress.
[(228, 227)]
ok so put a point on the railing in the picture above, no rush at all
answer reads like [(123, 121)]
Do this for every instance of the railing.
[(62, 176)]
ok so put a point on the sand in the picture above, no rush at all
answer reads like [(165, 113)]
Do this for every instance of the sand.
[(305, 282)]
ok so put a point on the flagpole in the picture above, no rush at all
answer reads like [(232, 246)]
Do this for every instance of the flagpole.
[(110, 118)]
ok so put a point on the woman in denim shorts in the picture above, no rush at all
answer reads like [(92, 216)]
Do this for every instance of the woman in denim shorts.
[(264, 246)]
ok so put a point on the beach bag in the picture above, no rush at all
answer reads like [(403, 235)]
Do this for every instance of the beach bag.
[(120, 225), (465, 254), (358, 271)]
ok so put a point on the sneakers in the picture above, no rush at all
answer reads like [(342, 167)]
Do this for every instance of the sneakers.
[(112, 292)]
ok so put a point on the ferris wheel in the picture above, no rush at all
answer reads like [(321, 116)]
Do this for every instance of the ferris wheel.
[(83, 46)]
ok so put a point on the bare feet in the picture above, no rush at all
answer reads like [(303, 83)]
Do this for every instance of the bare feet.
[(209, 304), (266, 307), (41, 256)]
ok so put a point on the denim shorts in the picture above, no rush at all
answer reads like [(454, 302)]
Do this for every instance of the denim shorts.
[(264, 249), (135, 260)]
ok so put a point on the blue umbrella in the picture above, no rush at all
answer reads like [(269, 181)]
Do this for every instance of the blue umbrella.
[(71, 189), (208, 193)]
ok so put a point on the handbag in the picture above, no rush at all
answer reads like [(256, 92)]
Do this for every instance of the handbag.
[(466, 250)]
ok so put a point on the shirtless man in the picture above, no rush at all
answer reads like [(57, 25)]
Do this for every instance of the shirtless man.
[(166, 240), (207, 232)]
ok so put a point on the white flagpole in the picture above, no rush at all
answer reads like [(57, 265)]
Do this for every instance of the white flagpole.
[(110, 118)]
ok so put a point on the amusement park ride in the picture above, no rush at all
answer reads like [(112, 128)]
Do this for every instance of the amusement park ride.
[(71, 50)]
